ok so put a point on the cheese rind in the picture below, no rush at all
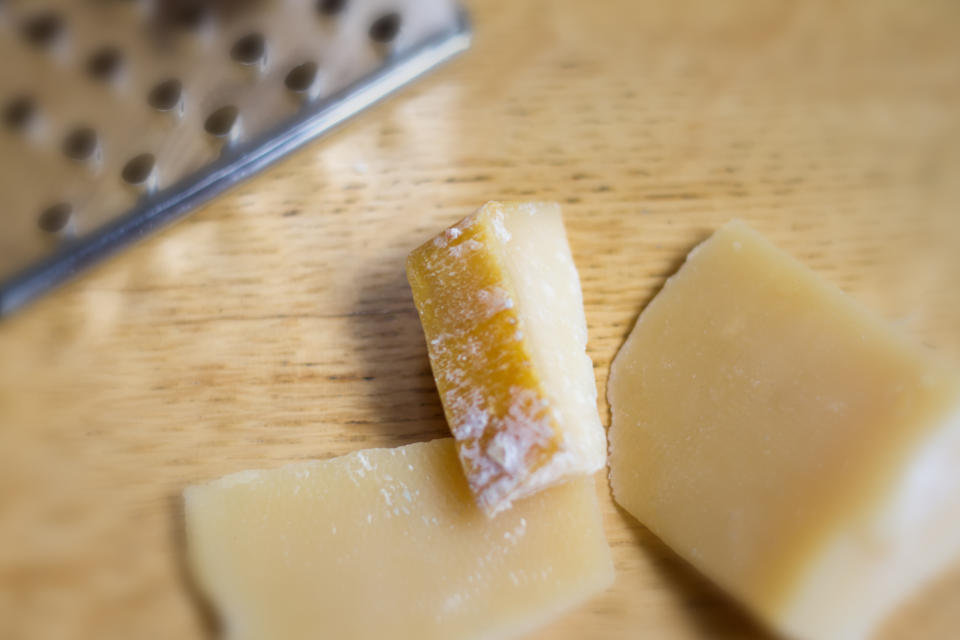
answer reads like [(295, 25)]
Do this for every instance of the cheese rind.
[(500, 303), (389, 543), (785, 441)]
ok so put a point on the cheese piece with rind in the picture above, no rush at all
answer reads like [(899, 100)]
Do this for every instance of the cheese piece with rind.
[(500, 303)]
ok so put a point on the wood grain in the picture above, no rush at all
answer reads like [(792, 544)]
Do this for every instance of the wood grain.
[(276, 324)]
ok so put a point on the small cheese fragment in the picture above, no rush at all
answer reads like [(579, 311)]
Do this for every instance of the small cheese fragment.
[(388, 543), (500, 303), (785, 442)]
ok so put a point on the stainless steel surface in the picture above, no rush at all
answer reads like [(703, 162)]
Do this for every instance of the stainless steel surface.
[(120, 115)]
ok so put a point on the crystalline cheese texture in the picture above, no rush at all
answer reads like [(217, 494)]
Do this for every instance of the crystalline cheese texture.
[(785, 442), (501, 308), (388, 543)]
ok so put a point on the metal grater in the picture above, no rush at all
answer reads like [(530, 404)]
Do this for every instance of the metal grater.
[(119, 116)]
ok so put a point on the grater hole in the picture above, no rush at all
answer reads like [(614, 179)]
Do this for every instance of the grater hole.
[(80, 144), (54, 219), (105, 63), (19, 113), (385, 28), (301, 77), (166, 95), (250, 49), (221, 122), (138, 170), (44, 29), (191, 15), (331, 7)]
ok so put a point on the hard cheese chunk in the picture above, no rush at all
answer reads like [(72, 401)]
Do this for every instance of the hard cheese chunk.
[(784, 441), (501, 307), (388, 543)]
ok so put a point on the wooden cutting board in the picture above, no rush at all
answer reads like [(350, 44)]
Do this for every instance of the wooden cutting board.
[(276, 324)]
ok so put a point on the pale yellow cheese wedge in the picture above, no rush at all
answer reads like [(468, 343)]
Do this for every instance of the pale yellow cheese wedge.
[(500, 303), (388, 543), (785, 442)]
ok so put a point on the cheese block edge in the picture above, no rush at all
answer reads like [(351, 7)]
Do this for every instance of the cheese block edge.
[(804, 598), (532, 602)]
